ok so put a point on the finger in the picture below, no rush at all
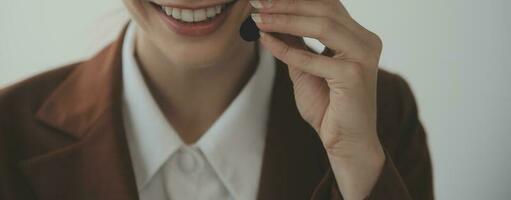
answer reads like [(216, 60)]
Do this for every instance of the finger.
[(343, 8), (333, 9), (303, 60), (349, 73), (328, 32), (300, 7)]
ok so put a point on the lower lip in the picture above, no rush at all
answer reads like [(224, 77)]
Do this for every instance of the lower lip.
[(199, 28)]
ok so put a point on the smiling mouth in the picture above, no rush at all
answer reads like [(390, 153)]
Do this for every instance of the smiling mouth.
[(196, 15)]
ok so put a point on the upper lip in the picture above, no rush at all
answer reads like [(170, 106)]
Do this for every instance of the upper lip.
[(188, 6)]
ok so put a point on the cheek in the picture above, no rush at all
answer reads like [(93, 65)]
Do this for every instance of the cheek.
[(137, 10), (242, 10)]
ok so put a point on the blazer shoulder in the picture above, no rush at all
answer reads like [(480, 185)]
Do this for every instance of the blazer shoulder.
[(392, 87), (26, 95)]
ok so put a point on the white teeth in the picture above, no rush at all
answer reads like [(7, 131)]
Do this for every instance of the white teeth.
[(196, 15), (187, 15), (211, 12), (218, 9), (199, 15), (176, 13), (168, 10)]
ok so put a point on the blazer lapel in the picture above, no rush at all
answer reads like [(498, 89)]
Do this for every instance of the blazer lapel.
[(87, 107)]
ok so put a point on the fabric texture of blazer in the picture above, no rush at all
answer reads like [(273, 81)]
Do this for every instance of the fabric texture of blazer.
[(62, 137)]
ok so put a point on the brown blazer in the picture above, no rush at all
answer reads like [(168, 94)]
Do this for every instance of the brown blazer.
[(62, 137)]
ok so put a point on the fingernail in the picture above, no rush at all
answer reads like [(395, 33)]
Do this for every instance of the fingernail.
[(256, 4), (256, 17), (262, 34)]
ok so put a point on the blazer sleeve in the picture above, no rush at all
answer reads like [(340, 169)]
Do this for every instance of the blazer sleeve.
[(407, 171)]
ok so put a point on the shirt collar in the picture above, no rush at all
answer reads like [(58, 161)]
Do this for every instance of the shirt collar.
[(150, 138), (233, 145)]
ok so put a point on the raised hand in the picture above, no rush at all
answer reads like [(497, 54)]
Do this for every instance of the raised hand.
[(335, 91)]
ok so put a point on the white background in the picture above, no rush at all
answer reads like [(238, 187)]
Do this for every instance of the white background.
[(455, 54)]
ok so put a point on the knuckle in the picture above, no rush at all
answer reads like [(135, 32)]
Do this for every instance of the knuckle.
[(353, 70), (370, 46), (284, 51), (329, 9), (286, 6), (374, 47), (376, 41), (280, 19), (305, 59), (325, 27)]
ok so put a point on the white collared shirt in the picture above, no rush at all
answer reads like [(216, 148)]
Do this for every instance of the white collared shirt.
[(225, 163)]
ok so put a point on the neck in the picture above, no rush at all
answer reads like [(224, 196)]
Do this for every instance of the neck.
[(192, 98)]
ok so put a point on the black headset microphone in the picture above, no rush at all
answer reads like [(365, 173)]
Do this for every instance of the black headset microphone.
[(248, 30)]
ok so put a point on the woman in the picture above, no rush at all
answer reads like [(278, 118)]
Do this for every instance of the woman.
[(180, 107)]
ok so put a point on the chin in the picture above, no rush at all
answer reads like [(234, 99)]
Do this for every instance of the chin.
[(185, 50), (201, 54)]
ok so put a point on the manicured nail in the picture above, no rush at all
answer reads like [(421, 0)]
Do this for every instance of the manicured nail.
[(256, 17), (256, 4)]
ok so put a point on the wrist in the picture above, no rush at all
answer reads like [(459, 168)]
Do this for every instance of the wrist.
[(367, 150), (368, 160), (357, 174)]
